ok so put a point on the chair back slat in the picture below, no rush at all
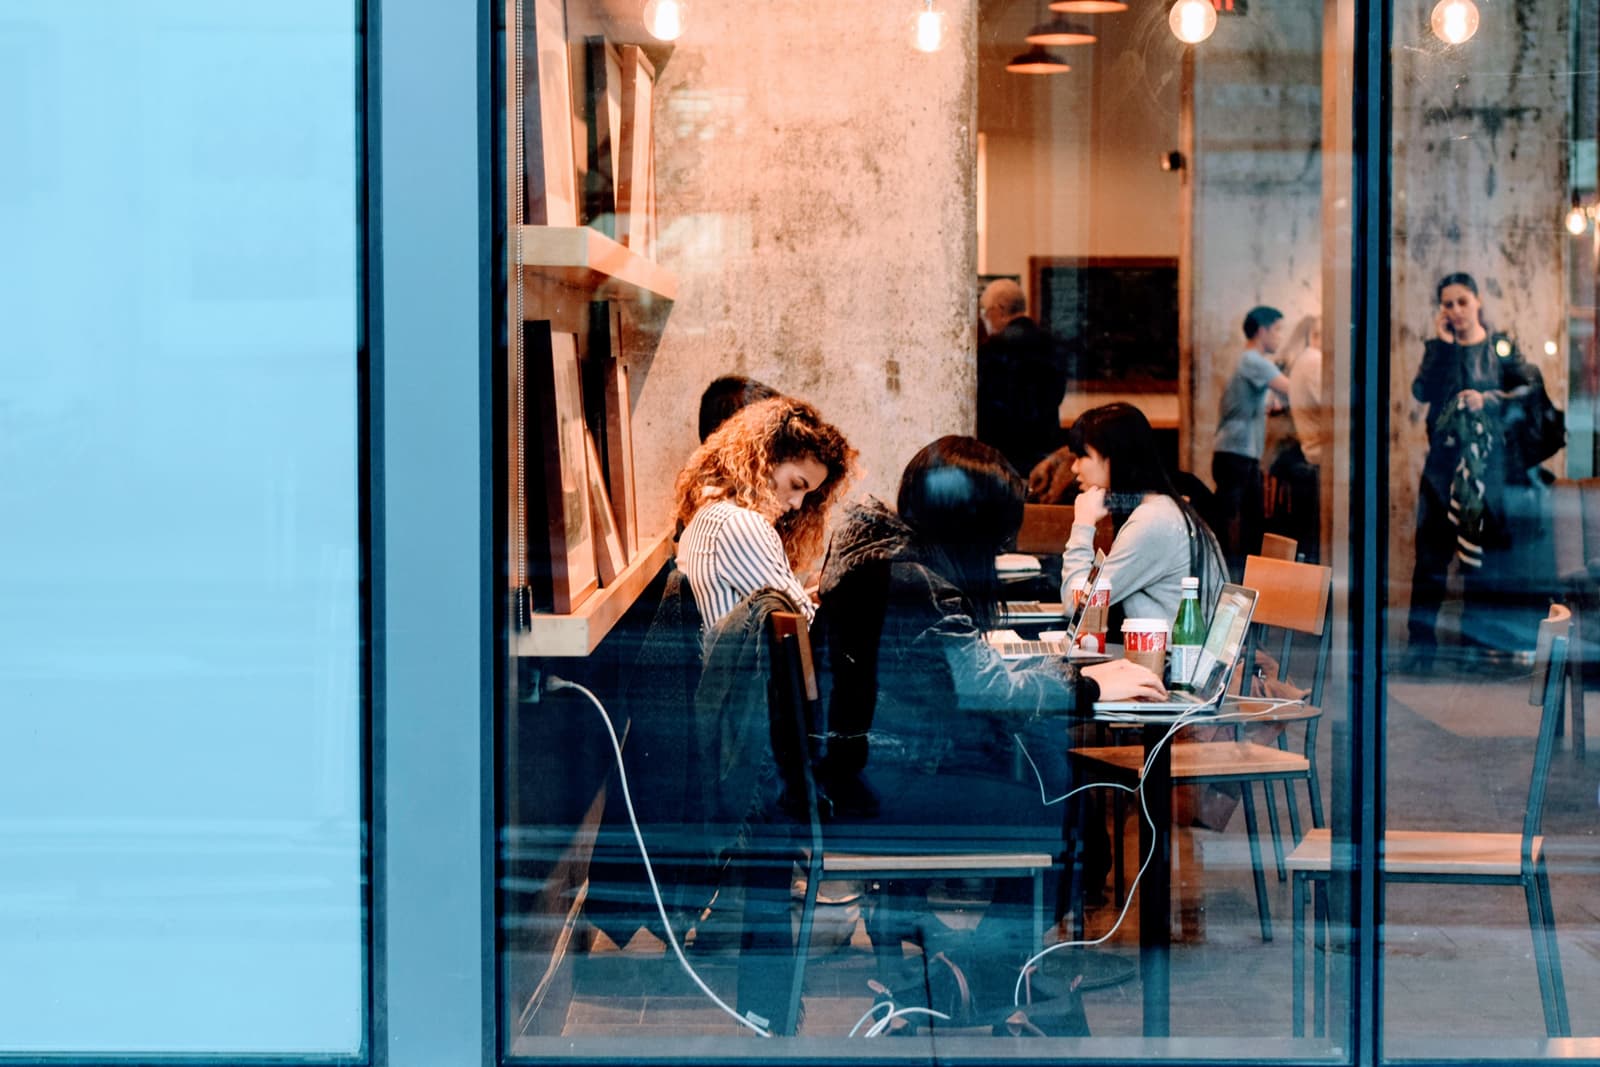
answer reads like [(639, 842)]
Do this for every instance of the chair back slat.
[(1277, 546), (1044, 528), (1557, 624), (1555, 686), (1291, 595)]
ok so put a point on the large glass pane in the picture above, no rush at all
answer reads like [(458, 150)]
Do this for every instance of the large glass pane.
[(181, 814), (1492, 337), (1130, 279)]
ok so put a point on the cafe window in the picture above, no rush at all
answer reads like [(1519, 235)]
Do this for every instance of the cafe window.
[(873, 378), (183, 836)]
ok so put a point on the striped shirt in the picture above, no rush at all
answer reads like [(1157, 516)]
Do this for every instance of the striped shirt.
[(728, 552)]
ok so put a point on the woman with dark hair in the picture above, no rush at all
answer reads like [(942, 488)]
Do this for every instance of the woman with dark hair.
[(908, 597), (1475, 383), (1160, 539)]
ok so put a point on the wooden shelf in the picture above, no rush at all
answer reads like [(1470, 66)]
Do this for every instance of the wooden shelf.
[(579, 633), (577, 257)]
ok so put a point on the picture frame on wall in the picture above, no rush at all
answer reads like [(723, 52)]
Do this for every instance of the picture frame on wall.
[(635, 202), (557, 399), (609, 555), (619, 437), (551, 178)]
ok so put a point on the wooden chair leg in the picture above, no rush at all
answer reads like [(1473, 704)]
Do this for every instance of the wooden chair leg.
[(802, 946), (1247, 798), (1118, 878)]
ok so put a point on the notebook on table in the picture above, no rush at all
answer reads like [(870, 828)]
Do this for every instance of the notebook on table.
[(1224, 644), (1012, 647)]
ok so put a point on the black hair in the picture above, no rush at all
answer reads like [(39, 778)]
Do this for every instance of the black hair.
[(1258, 319), (1461, 278), (963, 500), (726, 395), (1122, 435)]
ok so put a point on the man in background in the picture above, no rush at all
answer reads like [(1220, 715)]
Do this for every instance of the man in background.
[(1021, 378), (1242, 434)]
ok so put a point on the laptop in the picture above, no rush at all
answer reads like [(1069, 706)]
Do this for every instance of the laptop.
[(1010, 646), (1225, 641)]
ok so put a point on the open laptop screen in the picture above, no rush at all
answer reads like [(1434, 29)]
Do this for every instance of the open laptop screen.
[(1223, 639)]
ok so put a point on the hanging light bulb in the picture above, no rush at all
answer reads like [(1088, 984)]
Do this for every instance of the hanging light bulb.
[(930, 29), (1088, 7), (1037, 61), (664, 19), (1454, 21), (1059, 31), (1577, 221), (1192, 20)]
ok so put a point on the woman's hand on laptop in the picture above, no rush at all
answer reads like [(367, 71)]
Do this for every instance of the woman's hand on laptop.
[(1121, 679)]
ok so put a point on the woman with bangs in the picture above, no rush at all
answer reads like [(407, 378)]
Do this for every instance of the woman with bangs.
[(754, 501)]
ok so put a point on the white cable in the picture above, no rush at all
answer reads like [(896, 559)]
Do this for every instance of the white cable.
[(552, 682), (869, 1013), (1194, 714), (883, 1024)]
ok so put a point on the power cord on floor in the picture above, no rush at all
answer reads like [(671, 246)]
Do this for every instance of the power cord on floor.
[(552, 682), (1196, 714)]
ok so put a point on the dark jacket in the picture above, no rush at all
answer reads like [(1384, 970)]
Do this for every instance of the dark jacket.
[(913, 679), (1495, 368), (1021, 378)]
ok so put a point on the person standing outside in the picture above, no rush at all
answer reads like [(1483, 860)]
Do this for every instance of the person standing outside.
[(1241, 436), (1021, 379)]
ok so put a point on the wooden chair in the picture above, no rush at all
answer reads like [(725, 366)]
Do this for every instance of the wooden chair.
[(1276, 546), (1455, 858), (1044, 528), (800, 710), (1296, 599)]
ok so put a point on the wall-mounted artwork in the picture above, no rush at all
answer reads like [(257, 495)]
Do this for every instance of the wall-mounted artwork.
[(1115, 317), (547, 119), (635, 200), (556, 406), (607, 542)]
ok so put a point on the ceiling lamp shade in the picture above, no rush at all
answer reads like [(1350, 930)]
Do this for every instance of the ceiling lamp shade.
[(1037, 60), (1060, 31), (1088, 7)]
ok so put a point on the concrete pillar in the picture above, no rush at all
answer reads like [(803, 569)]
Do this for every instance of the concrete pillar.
[(815, 181)]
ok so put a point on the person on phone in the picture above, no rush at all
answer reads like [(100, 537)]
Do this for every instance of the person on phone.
[(1160, 538), (1242, 436), (1469, 376)]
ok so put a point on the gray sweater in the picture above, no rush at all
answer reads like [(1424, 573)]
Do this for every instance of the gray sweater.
[(1147, 562)]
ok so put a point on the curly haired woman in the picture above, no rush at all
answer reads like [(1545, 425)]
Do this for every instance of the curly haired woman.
[(754, 501)]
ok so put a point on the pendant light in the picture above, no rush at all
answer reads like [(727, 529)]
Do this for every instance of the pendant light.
[(1192, 21), (664, 19), (1037, 60), (1088, 7), (928, 36), (1060, 31), (1454, 21)]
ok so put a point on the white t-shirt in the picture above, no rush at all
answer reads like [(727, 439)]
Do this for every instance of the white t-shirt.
[(1305, 404)]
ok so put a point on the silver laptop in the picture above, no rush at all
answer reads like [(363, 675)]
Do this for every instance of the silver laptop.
[(1225, 640), (1060, 646)]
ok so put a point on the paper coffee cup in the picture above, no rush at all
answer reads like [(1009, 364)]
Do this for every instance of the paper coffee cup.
[(1144, 641)]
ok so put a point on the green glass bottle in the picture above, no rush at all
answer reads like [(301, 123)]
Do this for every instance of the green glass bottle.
[(1188, 635)]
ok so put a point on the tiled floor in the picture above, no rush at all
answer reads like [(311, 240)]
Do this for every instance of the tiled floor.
[(1458, 960)]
